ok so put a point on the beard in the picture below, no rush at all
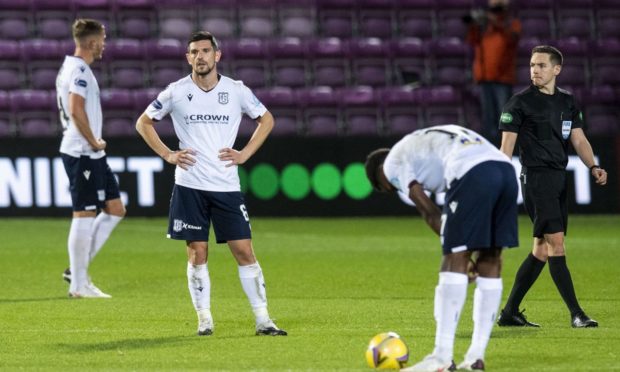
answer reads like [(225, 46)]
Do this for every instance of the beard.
[(205, 72)]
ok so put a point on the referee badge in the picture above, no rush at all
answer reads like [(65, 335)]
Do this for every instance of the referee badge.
[(566, 126)]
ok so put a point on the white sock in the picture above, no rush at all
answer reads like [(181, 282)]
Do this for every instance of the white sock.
[(102, 228), (79, 247), (253, 284), (487, 297), (450, 296), (199, 286)]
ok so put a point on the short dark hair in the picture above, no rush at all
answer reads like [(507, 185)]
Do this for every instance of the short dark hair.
[(204, 35), (84, 27), (373, 161), (555, 56)]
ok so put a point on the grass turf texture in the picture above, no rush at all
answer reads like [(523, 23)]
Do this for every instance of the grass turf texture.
[(332, 284)]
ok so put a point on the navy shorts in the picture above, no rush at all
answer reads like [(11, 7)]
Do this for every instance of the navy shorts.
[(480, 210), (91, 182), (191, 213), (545, 197)]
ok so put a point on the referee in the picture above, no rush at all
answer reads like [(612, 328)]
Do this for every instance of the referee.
[(545, 119)]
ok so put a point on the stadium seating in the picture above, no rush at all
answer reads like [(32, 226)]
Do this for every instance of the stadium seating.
[(323, 67)]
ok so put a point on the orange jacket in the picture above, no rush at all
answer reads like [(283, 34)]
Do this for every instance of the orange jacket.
[(495, 50)]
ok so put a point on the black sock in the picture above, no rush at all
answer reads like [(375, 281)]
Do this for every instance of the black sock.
[(564, 282), (526, 276)]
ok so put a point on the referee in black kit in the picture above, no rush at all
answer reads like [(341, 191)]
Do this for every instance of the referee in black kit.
[(545, 118)]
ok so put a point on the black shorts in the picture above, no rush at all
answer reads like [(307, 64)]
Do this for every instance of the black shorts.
[(91, 182), (480, 210), (191, 213), (545, 198)]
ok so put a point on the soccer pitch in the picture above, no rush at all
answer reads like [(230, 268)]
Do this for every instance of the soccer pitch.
[(331, 283)]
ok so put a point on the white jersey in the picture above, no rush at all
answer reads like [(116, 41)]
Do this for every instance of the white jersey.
[(435, 156), (76, 77), (206, 122)]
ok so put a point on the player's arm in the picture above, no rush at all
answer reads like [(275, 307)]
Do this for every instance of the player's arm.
[(584, 150), (509, 139), (182, 158), (77, 111), (264, 126), (427, 208)]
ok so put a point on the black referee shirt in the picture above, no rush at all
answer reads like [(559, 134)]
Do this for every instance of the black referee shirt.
[(543, 123)]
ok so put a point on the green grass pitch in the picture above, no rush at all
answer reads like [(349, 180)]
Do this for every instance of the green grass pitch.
[(332, 284)]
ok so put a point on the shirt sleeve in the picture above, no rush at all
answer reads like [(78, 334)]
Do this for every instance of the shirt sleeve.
[(79, 82), (512, 116), (250, 105), (161, 106), (397, 171), (577, 115)]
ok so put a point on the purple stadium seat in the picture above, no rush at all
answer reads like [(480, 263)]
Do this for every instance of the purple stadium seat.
[(450, 23), (329, 62), (92, 4), (125, 49), (246, 127), (41, 5), (283, 105), (538, 25), (450, 62), (297, 21), (572, 46), (409, 60), (219, 19), (574, 73), (601, 110), (256, 22), (116, 99), (11, 67), (134, 24), (53, 25), (16, 26), (35, 112), (249, 63), (36, 127), (7, 127), (143, 97), (336, 22), (321, 114), (44, 60), (361, 113), (376, 23), (443, 105), (135, 4), (370, 61), (578, 23), (170, 49), (526, 44), (401, 112), (176, 23), (608, 23), (118, 127), (419, 24), (289, 64), (523, 74)]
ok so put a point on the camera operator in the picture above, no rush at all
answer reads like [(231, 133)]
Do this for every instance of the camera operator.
[(494, 34)]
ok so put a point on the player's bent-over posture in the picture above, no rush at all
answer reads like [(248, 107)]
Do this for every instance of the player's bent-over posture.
[(206, 110), (92, 184), (478, 220)]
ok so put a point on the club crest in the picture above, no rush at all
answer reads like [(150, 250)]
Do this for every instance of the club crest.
[(222, 97)]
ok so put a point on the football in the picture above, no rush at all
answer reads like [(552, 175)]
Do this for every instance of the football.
[(387, 351)]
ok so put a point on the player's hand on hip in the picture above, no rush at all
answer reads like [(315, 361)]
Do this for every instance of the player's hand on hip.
[(600, 176), (233, 156), (182, 158)]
